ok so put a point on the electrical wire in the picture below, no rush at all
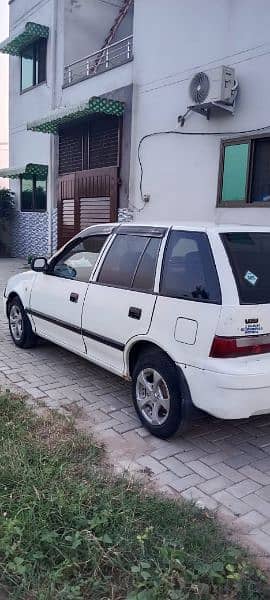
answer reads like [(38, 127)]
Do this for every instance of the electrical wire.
[(187, 78), (192, 133), (205, 66)]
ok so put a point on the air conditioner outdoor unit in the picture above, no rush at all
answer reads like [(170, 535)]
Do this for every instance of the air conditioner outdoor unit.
[(214, 88)]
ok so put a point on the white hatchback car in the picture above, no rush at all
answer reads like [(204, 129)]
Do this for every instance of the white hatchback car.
[(181, 310)]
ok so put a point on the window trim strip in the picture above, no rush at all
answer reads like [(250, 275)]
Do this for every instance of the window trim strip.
[(75, 329)]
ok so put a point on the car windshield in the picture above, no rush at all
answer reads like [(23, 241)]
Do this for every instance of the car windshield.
[(249, 255)]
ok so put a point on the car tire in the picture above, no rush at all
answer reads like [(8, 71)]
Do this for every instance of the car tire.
[(19, 325), (161, 395)]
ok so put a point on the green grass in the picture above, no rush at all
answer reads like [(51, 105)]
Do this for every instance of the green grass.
[(70, 530)]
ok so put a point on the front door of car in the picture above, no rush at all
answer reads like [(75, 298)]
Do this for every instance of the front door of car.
[(120, 300), (58, 295)]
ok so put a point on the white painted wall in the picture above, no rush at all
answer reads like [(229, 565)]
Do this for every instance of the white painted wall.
[(26, 146), (4, 96), (180, 173), (172, 41), (87, 24), (74, 18)]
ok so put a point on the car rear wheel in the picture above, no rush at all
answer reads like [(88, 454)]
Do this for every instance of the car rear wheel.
[(19, 325), (161, 396)]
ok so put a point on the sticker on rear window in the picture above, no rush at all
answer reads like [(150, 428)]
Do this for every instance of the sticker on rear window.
[(251, 277)]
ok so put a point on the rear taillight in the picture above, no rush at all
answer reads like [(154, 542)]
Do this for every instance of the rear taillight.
[(231, 347)]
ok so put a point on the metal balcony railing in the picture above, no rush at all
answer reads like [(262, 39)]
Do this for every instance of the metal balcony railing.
[(108, 58)]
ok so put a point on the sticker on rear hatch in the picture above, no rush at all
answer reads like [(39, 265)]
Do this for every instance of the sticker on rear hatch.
[(251, 277), (252, 326), (251, 329)]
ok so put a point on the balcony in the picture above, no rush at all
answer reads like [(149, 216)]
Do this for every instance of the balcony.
[(111, 56)]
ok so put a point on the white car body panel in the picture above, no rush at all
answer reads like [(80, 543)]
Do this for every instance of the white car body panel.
[(205, 315), (21, 284), (51, 296), (237, 395), (106, 313), (227, 388)]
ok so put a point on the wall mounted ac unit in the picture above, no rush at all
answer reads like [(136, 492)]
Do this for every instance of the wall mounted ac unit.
[(216, 87)]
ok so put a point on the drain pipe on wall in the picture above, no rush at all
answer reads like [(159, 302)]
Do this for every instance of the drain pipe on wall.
[(53, 70)]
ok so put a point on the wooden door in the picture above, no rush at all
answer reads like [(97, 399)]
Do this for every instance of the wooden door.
[(86, 198), (66, 208)]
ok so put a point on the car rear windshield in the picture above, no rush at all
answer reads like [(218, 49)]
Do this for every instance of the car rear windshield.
[(249, 255)]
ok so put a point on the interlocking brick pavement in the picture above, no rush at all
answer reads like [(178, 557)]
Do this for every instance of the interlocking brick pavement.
[(224, 466)]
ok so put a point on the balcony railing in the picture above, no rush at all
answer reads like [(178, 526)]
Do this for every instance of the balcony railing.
[(108, 58)]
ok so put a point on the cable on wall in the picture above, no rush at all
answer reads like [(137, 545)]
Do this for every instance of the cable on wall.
[(192, 133)]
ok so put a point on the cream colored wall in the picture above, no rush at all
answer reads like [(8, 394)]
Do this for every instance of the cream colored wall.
[(3, 93), (180, 174)]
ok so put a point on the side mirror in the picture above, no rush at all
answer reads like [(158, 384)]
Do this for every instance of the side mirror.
[(40, 265)]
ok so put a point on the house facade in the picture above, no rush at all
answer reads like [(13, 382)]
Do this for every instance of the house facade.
[(96, 91)]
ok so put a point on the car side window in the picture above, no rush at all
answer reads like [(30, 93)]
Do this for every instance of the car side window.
[(130, 263), (144, 278), (77, 262), (189, 270)]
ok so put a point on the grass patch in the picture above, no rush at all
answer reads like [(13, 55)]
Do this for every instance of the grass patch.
[(70, 531)]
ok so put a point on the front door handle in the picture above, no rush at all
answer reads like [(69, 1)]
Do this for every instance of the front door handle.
[(135, 313), (74, 297)]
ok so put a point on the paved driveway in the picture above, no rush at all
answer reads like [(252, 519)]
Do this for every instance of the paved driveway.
[(221, 465)]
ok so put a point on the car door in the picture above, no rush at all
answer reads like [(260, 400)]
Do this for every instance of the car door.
[(58, 295), (189, 303), (120, 300)]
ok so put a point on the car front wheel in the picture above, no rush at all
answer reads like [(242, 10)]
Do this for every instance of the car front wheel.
[(161, 398), (19, 325)]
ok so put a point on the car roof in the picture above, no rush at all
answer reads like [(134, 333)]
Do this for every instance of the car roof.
[(206, 226)]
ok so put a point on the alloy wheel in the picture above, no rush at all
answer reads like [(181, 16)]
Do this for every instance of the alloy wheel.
[(153, 396), (16, 322)]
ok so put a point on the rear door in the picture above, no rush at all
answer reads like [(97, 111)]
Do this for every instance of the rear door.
[(189, 303), (120, 301)]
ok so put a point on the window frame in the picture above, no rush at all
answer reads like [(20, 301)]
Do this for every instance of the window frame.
[(145, 234), (251, 140), (137, 289), (35, 83), (34, 179), (218, 302), (69, 247)]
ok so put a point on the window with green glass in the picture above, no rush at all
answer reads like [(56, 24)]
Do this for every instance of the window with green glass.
[(245, 176), (235, 173), (33, 195), (33, 64)]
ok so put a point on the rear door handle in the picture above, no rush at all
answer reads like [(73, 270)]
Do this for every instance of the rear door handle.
[(135, 313), (74, 297)]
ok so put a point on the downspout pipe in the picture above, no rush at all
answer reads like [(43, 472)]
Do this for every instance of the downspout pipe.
[(53, 71)]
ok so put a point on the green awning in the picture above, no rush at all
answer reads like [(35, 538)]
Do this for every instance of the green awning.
[(27, 172), (61, 116), (31, 33)]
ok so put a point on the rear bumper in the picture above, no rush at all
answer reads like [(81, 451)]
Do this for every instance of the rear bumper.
[(229, 395)]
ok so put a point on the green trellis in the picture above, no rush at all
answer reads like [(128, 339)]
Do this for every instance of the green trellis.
[(31, 33), (27, 172), (62, 116)]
